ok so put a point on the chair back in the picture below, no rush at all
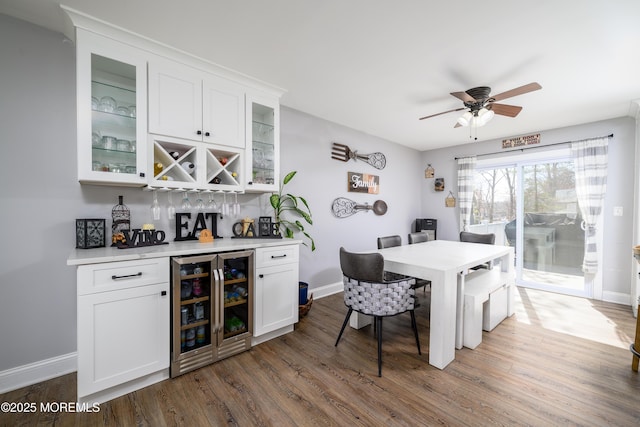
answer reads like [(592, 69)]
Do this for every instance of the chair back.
[(389, 241), (365, 267), (365, 289), (418, 237), (488, 239)]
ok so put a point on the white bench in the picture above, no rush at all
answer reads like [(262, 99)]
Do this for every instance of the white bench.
[(488, 297)]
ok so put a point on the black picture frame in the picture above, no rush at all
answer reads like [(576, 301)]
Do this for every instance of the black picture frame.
[(264, 226)]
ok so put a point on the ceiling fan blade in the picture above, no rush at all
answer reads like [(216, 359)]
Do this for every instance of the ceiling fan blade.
[(463, 96), (505, 110), (517, 91), (444, 112)]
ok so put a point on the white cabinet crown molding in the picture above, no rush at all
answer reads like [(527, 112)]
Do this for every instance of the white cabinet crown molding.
[(82, 20)]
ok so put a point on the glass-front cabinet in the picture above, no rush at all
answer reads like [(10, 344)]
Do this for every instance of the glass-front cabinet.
[(263, 143), (112, 109)]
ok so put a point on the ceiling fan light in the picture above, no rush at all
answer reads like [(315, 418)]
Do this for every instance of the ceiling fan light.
[(484, 115), (465, 119)]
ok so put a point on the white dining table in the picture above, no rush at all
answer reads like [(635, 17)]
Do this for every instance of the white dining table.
[(445, 263)]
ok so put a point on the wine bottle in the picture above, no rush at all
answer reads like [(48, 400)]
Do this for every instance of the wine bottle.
[(174, 154), (189, 167)]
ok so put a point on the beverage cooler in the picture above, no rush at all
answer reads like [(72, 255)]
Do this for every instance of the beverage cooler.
[(212, 308)]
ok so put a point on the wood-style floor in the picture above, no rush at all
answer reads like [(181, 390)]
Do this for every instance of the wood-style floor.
[(558, 361)]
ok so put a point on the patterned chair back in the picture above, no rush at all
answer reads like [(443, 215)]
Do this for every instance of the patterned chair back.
[(365, 290)]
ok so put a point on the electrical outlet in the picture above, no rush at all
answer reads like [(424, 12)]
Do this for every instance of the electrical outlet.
[(617, 211)]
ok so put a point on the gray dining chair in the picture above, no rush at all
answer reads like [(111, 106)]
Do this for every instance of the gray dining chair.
[(366, 291), (488, 239), (396, 240), (389, 242), (420, 237)]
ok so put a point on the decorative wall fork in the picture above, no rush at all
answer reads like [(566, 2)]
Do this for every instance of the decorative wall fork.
[(344, 153)]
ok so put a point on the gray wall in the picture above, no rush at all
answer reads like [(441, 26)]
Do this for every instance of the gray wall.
[(306, 147), (618, 236)]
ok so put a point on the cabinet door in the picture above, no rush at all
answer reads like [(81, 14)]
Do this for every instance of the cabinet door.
[(175, 99), (122, 335), (263, 143), (223, 112), (276, 302), (111, 107)]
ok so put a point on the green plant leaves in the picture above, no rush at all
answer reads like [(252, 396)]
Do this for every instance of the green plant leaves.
[(286, 202)]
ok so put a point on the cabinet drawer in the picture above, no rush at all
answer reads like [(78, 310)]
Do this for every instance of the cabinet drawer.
[(276, 255), (112, 276)]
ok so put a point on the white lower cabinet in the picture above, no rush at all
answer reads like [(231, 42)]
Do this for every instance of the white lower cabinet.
[(123, 327), (276, 290)]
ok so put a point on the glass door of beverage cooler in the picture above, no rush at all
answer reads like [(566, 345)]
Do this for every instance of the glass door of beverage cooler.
[(193, 314), (236, 303)]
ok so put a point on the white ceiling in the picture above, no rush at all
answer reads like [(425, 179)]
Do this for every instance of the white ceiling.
[(377, 66)]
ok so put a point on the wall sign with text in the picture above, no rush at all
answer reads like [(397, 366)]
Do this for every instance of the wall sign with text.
[(521, 141), (363, 183)]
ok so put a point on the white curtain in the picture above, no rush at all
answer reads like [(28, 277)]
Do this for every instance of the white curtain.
[(466, 169), (590, 164)]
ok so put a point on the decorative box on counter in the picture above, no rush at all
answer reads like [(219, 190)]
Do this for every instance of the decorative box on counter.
[(90, 233)]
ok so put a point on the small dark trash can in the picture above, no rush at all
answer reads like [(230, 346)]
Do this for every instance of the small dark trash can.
[(304, 288)]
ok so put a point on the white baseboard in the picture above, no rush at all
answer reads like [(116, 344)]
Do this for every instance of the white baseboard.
[(33, 373), (617, 297), (326, 290)]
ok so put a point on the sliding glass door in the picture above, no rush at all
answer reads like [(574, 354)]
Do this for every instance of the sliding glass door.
[(530, 203)]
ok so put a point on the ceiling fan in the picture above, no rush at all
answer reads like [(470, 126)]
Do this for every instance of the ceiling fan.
[(481, 106)]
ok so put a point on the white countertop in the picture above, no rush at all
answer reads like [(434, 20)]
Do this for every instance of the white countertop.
[(189, 247)]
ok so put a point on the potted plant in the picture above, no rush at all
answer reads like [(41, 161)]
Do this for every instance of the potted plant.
[(291, 206)]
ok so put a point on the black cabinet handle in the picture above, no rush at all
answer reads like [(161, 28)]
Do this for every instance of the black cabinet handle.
[(207, 134), (278, 256), (141, 174), (114, 277), (163, 293), (199, 132), (261, 275)]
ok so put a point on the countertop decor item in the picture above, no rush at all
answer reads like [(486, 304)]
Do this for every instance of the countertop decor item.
[(286, 205), (205, 236), (344, 154), (121, 222), (343, 207), (90, 233)]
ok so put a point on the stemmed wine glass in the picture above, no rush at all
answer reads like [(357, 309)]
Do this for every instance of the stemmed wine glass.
[(212, 202), (199, 201), (171, 209), (186, 203), (155, 206), (225, 205), (236, 205)]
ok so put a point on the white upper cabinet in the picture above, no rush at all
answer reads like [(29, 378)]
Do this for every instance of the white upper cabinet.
[(149, 114), (263, 143), (112, 112), (187, 103)]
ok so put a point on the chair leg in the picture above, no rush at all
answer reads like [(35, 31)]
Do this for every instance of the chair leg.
[(344, 324), (414, 325), (378, 322)]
